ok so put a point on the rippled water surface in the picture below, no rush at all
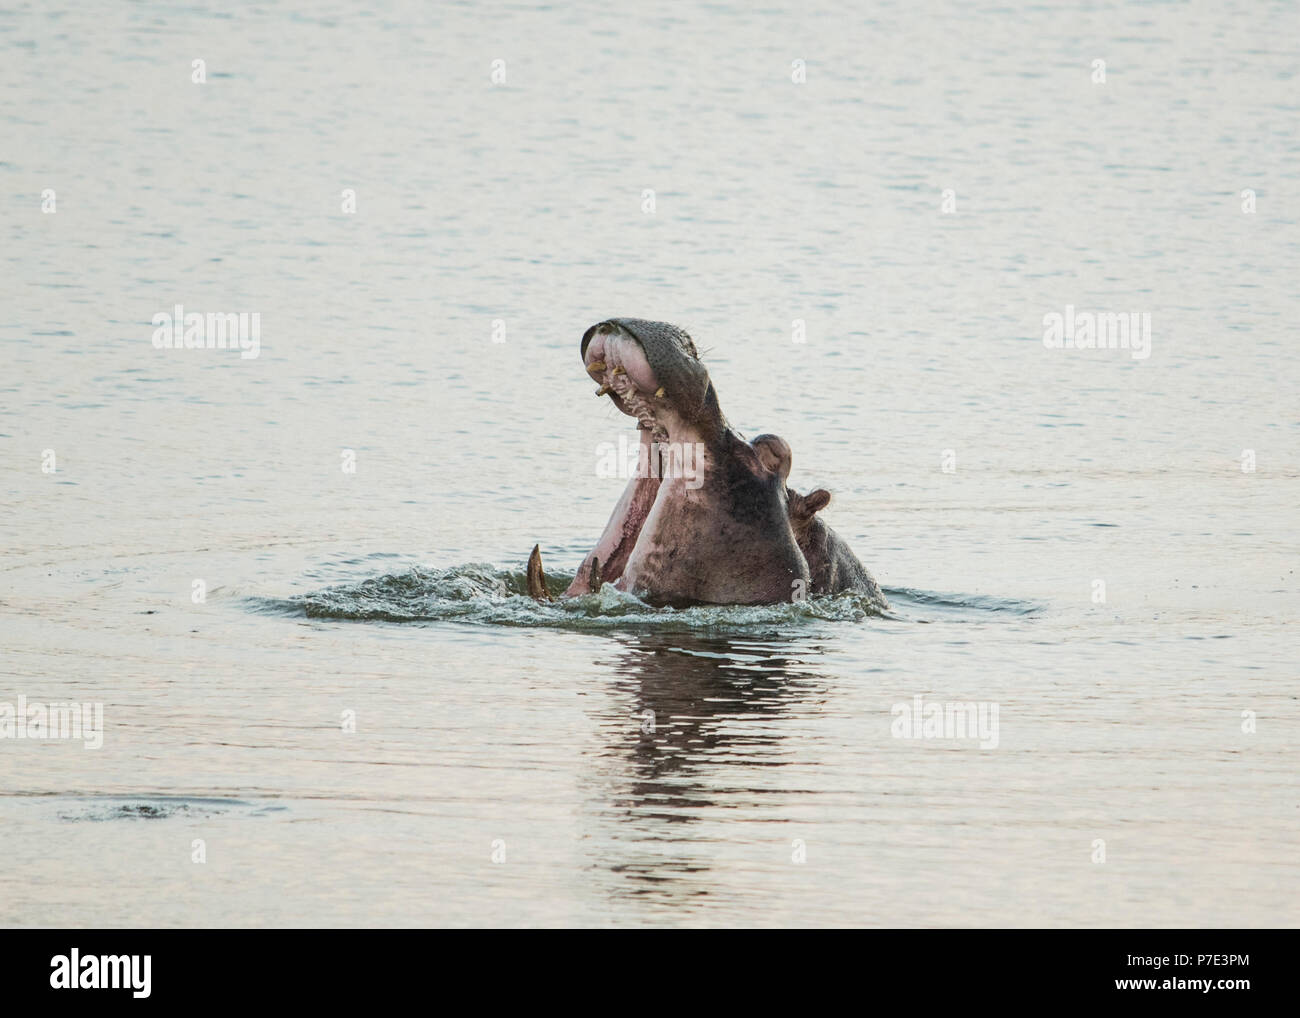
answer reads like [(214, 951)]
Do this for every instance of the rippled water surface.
[(1096, 564)]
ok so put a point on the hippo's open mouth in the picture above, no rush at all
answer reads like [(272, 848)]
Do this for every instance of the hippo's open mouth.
[(707, 516), (617, 357)]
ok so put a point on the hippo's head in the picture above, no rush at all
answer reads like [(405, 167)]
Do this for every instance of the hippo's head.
[(804, 510)]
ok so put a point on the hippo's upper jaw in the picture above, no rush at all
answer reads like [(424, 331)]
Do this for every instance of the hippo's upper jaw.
[(707, 518), (652, 372)]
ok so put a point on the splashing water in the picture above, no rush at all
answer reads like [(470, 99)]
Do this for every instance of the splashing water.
[(481, 593)]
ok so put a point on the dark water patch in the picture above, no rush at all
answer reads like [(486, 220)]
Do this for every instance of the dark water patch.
[(150, 807)]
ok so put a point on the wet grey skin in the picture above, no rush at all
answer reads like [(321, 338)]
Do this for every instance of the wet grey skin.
[(713, 529)]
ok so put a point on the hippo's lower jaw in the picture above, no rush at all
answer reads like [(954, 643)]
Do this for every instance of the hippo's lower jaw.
[(707, 519), (607, 562)]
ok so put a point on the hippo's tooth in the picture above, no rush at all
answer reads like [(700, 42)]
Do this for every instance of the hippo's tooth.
[(595, 366), (536, 577), (620, 371), (660, 392), (593, 577), (602, 390)]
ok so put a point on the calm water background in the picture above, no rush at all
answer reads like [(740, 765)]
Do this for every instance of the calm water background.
[(481, 718)]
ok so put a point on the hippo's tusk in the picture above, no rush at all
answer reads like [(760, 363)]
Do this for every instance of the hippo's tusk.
[(620, 371), (596, 366), (660, 392), (593, 576), (536, 577), (602, 390)]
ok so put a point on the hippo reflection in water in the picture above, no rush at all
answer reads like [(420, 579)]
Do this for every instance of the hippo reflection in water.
[(725, 531)]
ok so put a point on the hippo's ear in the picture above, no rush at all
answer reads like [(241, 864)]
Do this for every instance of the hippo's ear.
[(805, 507), (815, 501), (774, 453)]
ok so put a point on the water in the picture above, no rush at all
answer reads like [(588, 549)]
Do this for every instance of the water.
[(486, 725)]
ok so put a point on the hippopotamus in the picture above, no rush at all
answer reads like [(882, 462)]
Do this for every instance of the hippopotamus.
[(832, 565), (709, 518)]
